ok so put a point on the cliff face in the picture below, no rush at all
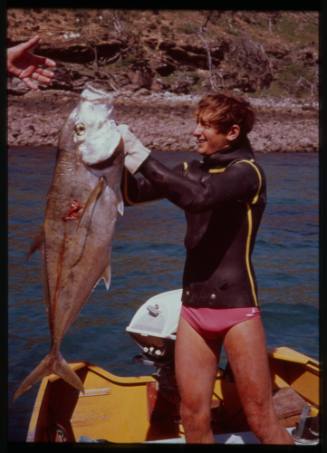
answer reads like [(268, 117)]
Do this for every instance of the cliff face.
[(159, 63), (181, 51)]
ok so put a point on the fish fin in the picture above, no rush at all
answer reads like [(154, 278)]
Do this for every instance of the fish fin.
[(52, 363), (120, 205), (91, 201), (36, 243), (106, 276), (86, 218)]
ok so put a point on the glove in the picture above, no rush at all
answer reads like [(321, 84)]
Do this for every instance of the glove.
[(135, 152)]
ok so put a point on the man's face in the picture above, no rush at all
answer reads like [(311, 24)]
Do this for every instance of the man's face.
[(209, 139)]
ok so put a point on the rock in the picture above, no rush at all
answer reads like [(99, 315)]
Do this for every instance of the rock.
[(141, 76), (181, 87), (165, 68), (17, 87), (143, 92), (158, 85)]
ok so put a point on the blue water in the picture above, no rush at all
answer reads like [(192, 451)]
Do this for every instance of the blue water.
[(147, 258)]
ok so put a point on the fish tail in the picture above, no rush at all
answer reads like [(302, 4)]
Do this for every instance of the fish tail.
[(62, 369), (52, 363)]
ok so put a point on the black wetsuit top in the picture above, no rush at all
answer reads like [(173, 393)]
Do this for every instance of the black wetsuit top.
[(223, 197)]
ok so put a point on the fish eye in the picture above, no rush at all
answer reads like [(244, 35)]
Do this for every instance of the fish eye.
[(79, 128)]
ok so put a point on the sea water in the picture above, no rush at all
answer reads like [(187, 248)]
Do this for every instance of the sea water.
[(147, 259)]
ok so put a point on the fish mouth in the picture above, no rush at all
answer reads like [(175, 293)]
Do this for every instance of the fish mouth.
[(93, 94)]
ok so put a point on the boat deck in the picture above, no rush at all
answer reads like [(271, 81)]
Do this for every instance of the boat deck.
[(142, 409)]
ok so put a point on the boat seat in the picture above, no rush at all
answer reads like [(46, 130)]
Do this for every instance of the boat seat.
[(288, 405)]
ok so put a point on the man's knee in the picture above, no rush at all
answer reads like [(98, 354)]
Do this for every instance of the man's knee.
[(260, 416), (195, 417)]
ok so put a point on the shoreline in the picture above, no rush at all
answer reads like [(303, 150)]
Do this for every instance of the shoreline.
[(52, 148), (163, 121)]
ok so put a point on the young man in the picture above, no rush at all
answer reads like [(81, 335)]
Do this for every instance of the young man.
[(223, 197)]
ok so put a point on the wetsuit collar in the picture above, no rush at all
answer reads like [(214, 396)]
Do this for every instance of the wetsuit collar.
[(223, 158)]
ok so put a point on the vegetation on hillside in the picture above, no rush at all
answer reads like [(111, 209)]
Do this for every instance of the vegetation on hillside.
[(264, 53)]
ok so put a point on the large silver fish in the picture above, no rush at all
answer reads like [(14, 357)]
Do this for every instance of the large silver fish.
[(80, 217)]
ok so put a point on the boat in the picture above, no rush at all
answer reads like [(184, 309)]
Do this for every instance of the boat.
[(145, 409)]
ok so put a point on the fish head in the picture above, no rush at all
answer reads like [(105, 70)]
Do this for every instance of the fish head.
[(92, 129)]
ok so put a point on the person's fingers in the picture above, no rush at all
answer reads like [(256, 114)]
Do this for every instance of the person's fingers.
[(40, 77), (27, 72), (39, 74), (49, 62), (38, 60), (45, 72), (30, 44)]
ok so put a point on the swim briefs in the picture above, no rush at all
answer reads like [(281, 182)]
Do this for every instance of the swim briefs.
[(214, 323)]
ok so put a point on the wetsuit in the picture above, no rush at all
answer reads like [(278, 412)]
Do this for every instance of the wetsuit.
[(223, 197)]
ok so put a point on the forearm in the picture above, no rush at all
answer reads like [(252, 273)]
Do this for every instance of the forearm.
[(138, 190), (172, 185)]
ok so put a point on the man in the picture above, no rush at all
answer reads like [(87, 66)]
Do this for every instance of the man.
[(223, 197)]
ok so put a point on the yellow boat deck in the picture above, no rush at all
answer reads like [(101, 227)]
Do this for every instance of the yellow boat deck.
[(135, 409)]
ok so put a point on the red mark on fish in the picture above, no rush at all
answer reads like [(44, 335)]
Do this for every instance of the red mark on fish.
[(74, 212)]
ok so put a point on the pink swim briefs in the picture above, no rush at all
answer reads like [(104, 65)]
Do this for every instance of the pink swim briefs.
[(211, 323)]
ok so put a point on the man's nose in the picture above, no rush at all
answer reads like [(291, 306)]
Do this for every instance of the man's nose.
[(198, 130)]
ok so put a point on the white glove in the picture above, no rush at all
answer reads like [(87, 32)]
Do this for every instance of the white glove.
[(135, 152)]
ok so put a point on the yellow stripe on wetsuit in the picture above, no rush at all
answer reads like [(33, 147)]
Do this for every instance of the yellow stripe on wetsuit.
[(250, 223), (185, 167), (247, 253), (217, 170), (250, 230), (256, 197)]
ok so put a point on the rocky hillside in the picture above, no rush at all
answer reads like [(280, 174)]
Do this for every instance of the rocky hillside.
[(147, 55), (180, 51)]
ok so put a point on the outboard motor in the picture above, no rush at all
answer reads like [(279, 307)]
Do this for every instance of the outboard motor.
[(154, 325)]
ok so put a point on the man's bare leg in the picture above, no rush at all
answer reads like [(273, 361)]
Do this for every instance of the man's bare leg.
[(196, 369), (245, 345)]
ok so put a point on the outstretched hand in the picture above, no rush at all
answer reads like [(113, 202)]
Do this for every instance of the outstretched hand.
[(22, 63)]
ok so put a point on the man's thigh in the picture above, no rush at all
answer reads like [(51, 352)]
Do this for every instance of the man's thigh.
[(245, 346), (195, 364)]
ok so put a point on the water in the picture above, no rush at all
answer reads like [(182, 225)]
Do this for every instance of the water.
[(148, 257)]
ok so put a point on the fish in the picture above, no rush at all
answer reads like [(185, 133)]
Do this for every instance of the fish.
[(82, 207)]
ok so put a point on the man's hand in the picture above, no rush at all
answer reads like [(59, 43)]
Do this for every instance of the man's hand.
[(135, 152), (22, 63)]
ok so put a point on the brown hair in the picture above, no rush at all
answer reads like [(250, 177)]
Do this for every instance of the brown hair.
[(223, 110)]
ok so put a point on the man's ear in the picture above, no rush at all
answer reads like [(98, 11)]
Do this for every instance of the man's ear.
[(233, 132)]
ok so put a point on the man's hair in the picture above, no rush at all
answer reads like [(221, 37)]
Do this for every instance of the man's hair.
[(223, 110)]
